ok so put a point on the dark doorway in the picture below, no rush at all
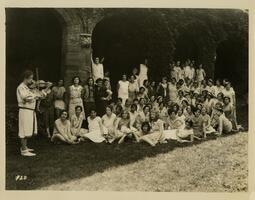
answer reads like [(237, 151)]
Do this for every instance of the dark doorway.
[(33, 39), (186, 48), (232, 63), (129, 36)]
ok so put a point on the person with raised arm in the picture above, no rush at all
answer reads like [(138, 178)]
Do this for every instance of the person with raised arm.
[(97, 68)]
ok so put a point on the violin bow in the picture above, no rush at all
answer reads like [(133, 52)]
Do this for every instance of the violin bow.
[(37, 76)]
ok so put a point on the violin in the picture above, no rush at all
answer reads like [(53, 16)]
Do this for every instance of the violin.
[(41, 85)]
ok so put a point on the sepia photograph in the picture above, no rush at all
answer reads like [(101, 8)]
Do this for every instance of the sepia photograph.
[(126, 99)]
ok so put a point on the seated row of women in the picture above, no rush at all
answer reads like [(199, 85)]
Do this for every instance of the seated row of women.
[(147, 126)]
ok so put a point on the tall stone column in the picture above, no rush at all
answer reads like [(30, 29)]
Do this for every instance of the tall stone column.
[(78, 25)]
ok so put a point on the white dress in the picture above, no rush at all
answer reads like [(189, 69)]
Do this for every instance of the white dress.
[(172, 92), (76, 123), (187, 72), (108, 122), (94, 133), (174, 125), (123, 91), (97, 71), (58, 94), (27, 116), (75, 100), (218, 90), (143, 75), (200, 75)]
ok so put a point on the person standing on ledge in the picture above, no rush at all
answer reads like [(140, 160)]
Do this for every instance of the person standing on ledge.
[(27, 98), (97, 68), (143, 75)]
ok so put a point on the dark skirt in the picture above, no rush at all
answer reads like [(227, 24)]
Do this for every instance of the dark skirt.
[(100, 107)]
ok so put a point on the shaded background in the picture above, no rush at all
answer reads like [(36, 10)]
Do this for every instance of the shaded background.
[(124, 37)]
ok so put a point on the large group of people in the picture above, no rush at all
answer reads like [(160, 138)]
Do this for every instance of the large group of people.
[(184, 106)]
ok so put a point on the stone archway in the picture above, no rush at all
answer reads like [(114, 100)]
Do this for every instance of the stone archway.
[(77, 25)]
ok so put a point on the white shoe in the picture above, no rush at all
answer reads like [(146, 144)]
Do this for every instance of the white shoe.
[(27, 153), (28, 149)]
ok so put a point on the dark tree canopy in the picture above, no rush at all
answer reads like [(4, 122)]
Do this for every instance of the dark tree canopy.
[(126, 36)]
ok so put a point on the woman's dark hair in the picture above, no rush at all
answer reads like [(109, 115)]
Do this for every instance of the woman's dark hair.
[(92, 109), (226, 97), (189, 122), (135, 100), (173, 105), (99, 79), (141, 99), (170, 111), (195, 109), (156, 115), (141, 88), (123, 112), (62, 111), (26, 74), (109, 106), (145, 81), (134, 106), (75, 78), (119, 107), (161, 103), (180, 92), (76, 107), (90, 78), (146, 124), (146, 106)]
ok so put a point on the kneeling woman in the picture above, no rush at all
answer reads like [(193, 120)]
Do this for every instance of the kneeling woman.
[(96, 129), (156, 134), (62, 130)]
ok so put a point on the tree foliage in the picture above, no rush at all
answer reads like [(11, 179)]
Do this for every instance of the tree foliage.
[(126, 36)]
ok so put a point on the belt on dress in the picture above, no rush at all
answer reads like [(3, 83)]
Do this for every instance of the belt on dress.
[(26, 108)]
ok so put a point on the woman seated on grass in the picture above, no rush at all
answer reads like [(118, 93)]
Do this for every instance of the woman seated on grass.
[(62, 130), (187, 133), (197, 121), (76, 123), (229, 112), (173, 123), (207, 128), (123, 127), (96, 130), (156, 133), (108, 121), (224, 124)]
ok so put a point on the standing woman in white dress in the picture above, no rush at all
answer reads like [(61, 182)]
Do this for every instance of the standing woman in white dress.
[(143, 74), (122, 89), (97, 68), (75, 96), (27, 117), (200, 73)]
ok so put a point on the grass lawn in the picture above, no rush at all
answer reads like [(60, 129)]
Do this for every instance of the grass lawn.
[(214, 165)]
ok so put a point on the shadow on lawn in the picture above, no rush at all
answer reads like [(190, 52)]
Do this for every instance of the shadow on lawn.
[(61, 163)]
